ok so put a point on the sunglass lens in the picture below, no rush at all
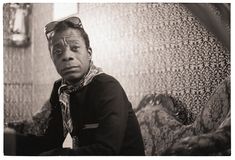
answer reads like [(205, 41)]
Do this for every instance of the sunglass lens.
[(74, 20), (50, 27)]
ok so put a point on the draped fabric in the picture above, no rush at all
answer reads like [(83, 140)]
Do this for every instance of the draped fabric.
[(210, 134), (216, 17)]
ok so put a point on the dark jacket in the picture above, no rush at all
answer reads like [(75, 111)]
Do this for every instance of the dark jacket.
[(102, 105)]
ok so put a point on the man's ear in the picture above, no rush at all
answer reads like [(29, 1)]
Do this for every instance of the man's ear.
[(49, 48), (89, 52)]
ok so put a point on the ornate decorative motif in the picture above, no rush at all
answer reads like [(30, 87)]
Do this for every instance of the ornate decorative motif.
[(181, 114), (161, 129), (156, 48), (216, 110)]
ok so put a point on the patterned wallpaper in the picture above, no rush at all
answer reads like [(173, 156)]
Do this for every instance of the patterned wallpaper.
[(28, 72), (18, 84), (156, 48), (148, 47)]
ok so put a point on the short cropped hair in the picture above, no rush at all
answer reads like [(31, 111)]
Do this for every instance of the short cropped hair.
[(65, 25)]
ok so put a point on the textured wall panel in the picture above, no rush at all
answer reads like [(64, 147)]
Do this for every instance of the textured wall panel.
[(156, 47), (28, 72), (17, 76)]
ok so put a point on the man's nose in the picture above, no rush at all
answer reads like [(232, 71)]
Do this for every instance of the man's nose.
[(68, 55)]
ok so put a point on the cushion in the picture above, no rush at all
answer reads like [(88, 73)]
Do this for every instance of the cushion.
[(215, 110), (159, 126)]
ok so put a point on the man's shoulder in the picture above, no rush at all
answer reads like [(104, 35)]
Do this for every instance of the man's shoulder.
[(107, 84), (105, 81), (58, 82), (105, 78)]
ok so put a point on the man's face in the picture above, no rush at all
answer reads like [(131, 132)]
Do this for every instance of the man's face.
[(70, 55)]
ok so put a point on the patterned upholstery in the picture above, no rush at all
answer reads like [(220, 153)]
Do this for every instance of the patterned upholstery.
[(163, 129), (164, 133), (160, 128), (36, 125), (216, 109)]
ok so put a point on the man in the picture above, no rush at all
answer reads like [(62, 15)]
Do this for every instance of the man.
[(86, 103)]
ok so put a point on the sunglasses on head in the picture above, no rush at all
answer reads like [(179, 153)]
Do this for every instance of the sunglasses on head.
[(75, 22)]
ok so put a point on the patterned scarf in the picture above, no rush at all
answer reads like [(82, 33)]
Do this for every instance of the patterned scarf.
[(64, 95)]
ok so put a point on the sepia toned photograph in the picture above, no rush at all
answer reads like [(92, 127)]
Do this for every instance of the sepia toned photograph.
[(116, 79)]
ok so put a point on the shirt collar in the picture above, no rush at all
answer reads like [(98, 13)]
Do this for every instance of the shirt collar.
[(69, 88)]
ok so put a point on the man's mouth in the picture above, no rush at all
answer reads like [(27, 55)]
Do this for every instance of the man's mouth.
[(69, 69)]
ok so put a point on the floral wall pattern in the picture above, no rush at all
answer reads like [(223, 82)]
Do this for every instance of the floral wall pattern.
[(156, 48)]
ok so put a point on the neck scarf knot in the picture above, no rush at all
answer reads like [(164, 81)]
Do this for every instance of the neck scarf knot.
[(66, 89)]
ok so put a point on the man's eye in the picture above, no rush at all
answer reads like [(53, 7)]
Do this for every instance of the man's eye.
[(75, 48), (57, 51)]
